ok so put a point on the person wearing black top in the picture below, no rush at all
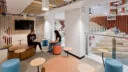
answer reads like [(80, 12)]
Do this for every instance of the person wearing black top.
[(30, 39), (56, 42)]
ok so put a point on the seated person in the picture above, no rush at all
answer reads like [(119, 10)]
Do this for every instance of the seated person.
[(30, 39), (56, 42)]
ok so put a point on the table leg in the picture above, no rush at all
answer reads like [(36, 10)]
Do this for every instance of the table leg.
[(67, 53), (38, 70), (103, 58), (20, 56)]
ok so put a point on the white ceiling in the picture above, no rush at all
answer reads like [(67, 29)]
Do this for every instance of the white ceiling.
[(79, 4), (17, 6)]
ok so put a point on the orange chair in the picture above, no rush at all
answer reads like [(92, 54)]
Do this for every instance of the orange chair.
[(57, 49)]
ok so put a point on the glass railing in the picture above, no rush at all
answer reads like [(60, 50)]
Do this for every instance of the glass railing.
[(113, 46)]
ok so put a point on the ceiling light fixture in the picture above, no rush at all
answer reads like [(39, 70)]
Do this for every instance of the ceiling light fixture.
[(45, 5)]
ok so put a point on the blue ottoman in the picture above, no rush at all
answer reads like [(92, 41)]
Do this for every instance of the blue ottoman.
[(12, 65), (113, 65), (45, 43)]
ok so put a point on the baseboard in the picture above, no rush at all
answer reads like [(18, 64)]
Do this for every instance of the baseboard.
[(2, 48), (76, 56)]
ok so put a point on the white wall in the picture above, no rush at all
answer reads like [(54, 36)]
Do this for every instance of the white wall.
[(74, 32), (84, 29), (100, 9), (60, 15), (49, 26)]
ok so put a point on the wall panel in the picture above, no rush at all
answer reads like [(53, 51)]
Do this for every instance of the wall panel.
[(121, 22), (5, 23)]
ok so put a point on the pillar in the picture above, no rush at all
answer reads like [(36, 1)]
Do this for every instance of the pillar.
[(49, 26), (77, 21)]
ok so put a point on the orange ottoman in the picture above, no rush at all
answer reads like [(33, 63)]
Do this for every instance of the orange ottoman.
[(57, 49)]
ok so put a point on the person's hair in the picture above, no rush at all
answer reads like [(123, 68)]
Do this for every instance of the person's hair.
[(57, 33), (32, 30)]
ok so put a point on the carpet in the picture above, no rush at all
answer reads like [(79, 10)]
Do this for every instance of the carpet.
[(25, 66)]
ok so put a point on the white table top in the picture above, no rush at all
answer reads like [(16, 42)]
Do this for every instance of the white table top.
[(37, 62), (20, 50), (67, 49), (103, 50)]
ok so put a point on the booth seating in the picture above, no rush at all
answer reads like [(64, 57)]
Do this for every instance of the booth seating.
[(29, 51), (57, 49), (113, 65), (12, 65)]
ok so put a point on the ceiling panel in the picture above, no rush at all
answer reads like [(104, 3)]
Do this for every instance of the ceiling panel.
[(17, 6), (35, 7)]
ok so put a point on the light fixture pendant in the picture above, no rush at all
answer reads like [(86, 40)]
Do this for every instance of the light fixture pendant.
[(45, 5)]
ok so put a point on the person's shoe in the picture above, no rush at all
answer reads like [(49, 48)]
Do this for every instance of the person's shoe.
[(49, 51), (41, 49)]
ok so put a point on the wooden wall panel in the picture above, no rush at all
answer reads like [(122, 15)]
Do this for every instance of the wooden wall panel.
[(121, 22), (5, 23)]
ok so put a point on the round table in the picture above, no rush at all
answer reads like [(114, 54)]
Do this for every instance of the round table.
[(67, 49), (37, 62), (20, 51), (61, 64)]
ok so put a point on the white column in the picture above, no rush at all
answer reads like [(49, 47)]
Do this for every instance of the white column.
[(49, 26), (85, 19), (76, 24)]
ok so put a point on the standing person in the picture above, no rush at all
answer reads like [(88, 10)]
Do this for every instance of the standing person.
[(56, 42), (30, 39)]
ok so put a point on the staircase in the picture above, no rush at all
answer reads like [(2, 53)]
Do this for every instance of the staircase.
[(106, 42)]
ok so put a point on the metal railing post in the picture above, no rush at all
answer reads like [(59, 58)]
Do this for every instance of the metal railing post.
[(114, 48)]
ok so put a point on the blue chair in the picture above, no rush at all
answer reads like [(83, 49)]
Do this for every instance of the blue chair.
[(113, 65), (12, 65)]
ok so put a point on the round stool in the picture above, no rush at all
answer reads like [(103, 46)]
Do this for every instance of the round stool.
[(113, 65), (57, 49), (37, 62), (12, 65), (45, 42), (67, 49), (20, 51)]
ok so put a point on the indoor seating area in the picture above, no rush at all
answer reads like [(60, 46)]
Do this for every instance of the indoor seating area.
[(63, 35)]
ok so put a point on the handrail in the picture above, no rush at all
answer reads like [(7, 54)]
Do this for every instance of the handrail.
[(106, 35)]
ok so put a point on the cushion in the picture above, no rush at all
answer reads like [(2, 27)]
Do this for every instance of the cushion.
[(18, 46)]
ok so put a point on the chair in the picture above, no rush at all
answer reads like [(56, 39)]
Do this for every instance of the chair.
[(12, 65), (113, 65), (57, 49), (45, 43)]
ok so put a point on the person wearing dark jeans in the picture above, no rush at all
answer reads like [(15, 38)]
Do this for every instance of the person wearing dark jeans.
[(56, 42), (30, 39)]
